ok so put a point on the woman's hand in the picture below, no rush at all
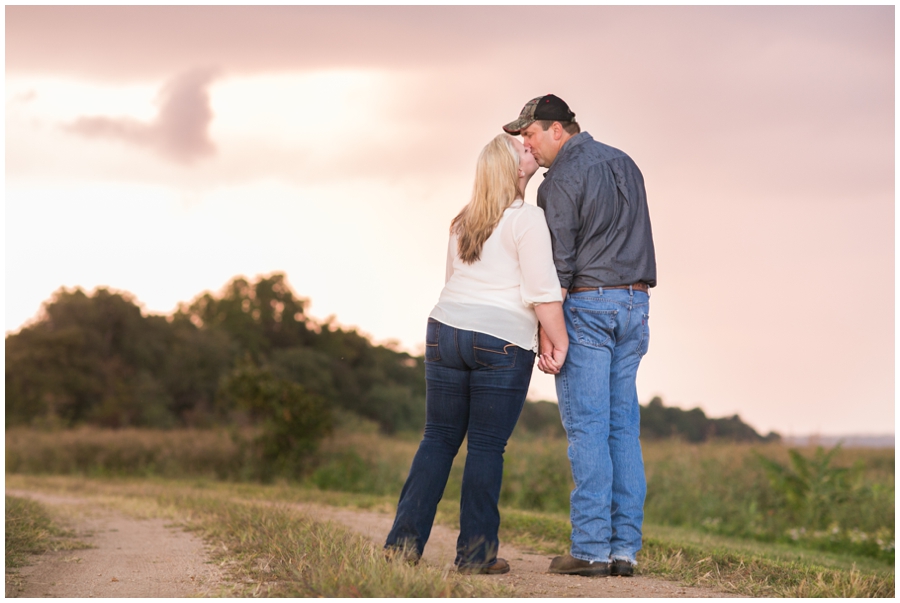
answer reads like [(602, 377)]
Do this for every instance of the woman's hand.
[(553, 341)]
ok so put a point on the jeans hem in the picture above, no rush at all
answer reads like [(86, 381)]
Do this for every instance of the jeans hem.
[(603, 560), (629, 558)]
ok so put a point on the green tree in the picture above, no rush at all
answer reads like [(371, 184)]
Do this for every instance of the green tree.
[(86, 359), (259, 316), (99, 359)]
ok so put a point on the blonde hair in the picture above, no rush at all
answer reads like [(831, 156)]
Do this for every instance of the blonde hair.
[(496, 188)]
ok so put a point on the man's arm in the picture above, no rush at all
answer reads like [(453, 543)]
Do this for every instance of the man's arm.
[(559, 200)]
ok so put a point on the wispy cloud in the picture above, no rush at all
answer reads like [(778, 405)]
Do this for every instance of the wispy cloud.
[(180, 132)]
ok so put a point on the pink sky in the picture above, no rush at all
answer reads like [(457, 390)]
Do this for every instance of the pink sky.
[(164, 150)]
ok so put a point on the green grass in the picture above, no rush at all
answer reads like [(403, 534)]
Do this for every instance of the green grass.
[(30, 530), (271, 551), (831, 512), (258, 535), (747, 567)]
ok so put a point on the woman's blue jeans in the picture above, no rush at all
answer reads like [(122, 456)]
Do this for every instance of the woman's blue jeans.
[(476, 386), (609, 333)]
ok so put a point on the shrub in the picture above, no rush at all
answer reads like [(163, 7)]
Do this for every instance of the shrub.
[(291, 420)]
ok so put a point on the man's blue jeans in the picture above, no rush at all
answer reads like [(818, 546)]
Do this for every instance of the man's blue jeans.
[(475, 386), (608, 335)]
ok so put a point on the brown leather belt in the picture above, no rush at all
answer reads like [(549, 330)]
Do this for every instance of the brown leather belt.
[(637, 287)]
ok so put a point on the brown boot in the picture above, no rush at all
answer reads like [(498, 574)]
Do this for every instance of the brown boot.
[(567, 564), (621, 567), (500, 566)]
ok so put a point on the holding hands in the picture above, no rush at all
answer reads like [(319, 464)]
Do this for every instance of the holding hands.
[(553, 341)]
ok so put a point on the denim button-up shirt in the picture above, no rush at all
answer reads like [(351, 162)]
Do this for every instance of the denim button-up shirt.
[(596, 207)]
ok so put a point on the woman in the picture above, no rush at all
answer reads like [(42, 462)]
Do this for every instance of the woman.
[(479, 353)]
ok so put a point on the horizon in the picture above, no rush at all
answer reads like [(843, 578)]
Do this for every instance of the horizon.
[(809, 438)]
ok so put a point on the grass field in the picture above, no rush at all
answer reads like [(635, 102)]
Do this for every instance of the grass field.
[(760, 520)]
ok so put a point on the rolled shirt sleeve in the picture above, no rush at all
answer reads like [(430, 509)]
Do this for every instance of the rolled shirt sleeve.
[(539, 282)]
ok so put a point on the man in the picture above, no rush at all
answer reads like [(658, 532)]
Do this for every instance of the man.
[(594, 201)]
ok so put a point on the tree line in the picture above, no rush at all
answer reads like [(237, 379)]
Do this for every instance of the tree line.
[(247, 355), (222, 358), (657, 422)]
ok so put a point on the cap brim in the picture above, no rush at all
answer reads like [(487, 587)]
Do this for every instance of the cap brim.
[(515, 127)]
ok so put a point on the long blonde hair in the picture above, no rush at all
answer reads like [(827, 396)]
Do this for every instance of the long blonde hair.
[(496, 188)]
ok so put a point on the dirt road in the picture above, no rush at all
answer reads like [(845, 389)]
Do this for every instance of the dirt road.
[(130, 558), (148, 558)]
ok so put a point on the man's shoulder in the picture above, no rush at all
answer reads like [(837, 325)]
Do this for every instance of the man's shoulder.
[(594, 150)]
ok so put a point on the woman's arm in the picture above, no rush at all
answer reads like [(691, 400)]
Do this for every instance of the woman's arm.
[(540, 288), (554, 340)]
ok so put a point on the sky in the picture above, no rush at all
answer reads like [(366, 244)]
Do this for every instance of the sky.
[(163, 151)]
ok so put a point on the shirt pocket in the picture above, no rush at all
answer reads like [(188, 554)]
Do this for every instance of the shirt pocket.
[(432, 339), (493, 352)]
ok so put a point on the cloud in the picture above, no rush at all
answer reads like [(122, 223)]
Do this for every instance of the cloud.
[(180, 131)]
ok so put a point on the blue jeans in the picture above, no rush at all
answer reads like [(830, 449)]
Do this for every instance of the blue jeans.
[(475, 387), (608, 335)]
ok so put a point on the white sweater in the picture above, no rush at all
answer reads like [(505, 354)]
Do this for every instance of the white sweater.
[(497, 294)]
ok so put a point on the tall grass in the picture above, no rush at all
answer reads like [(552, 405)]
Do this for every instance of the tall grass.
[(720, 488), (91, 451)]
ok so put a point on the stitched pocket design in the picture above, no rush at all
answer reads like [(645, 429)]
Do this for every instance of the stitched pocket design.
[(494, 352)]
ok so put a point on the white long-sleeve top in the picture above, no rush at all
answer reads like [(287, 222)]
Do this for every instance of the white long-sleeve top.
[(497, 294)]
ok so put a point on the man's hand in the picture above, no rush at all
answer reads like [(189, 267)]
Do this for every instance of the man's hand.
[(548, 355), (551, 356)]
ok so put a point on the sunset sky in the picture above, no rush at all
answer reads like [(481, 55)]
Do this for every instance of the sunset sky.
[(164, 150)]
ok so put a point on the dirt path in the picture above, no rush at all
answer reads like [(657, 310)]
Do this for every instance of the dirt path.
[(131, 558), (528, 571), (145, 558)]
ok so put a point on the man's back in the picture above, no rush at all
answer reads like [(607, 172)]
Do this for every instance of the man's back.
[(596, 206)]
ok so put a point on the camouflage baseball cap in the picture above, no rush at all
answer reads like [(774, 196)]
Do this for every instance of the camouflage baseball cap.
[(548, 107)]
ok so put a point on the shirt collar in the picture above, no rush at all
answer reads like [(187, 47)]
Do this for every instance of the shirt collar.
[(577, 140)]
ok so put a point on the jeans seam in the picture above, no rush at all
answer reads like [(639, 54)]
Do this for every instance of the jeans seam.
[(437, 345), (644, 331)]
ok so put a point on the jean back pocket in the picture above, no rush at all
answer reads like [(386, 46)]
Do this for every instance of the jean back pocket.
[(593, 328), (493, 352)]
